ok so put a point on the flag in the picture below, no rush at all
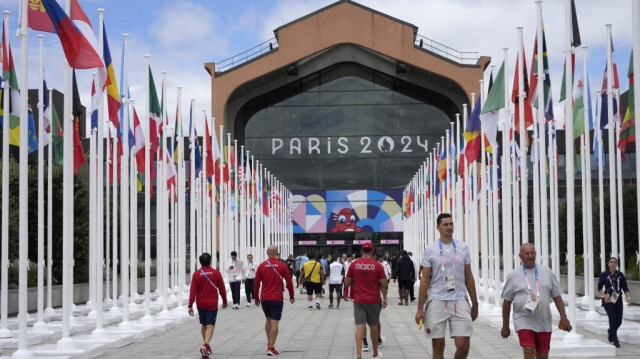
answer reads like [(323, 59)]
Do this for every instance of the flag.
[(578, 108), (155, 114), (628, 127), (533, 94), (515, 98), (124, 87), (37, 16), (491, 109), (442, 165), (9, 74), (170, 167), (139, 142), (78, 49), (56, 137), (198, 157), (604, 108), (210, 150), (95, 102), (113, 95), (32, 134), (78, 151), (473, 134), (575, 42), (46, 120)]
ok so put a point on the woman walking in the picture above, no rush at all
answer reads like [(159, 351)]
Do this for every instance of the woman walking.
[(611, 285)]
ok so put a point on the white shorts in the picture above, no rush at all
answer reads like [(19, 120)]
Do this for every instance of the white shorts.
[(439, 312)]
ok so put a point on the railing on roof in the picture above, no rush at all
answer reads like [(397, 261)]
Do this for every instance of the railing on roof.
[(468, 58), (243, 57)]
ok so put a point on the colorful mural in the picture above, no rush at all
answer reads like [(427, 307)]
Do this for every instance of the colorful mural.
[(347, 211)]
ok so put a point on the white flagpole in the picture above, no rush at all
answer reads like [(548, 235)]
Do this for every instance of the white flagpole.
[(589, 290), (612, 160), (106, 164), (4, 276), (569, 150), (162, 212), (524, 182), (506, 186), (635, 23), (23, 257), (623, 264), (147, 198), (40, 324), (124, 196), (235, 218), (49, 311), (114, 222), (538, 134), (192, 194), (133, 221), (182, 230)]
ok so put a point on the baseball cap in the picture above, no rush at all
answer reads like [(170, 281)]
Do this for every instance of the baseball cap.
[(367, 245)]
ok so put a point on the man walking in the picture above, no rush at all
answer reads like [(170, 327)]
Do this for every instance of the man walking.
[(531, 288), (446, 279), (235, 276), (206, 286), (300, 278), (269, 277), (369, 282), (249, 275), (336, 277), (313, 278), (406, 275)]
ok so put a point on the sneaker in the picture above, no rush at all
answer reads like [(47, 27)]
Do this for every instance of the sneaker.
[(379, 355), (337, 306), (318, 305), (208, 348), (616, 343), (248, 305), (271, 352), (310, 307), (380, 341), (330, 306), (204, 351), (301, 291), (365, 347)]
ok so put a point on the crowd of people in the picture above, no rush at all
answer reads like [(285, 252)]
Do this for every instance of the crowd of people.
[(446, 295)]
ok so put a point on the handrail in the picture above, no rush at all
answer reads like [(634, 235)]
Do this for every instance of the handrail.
[(461, 57), (241, 58)]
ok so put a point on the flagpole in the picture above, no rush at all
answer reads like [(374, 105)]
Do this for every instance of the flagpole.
[(589, 291), (524, 182), (107, 225), (49, 311), (506, 183), (483, 216), (114, 220), (612, 160), (570, 182), (539, 134), (147, 200), (192, 197), (4, 276), (635, 24), (124, 194), (163, 261), (40, 324), (181, 212), (620, 215)]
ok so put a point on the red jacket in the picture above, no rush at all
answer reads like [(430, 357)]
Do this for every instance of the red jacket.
[(203, 292), (271, 282)]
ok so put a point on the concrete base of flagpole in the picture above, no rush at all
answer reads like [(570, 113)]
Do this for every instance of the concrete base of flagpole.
[(40, 327), (92, 314), (99, 333), (65, 344), (164, 314), (48, 312), (6, 333), (591, 315), (115, 309), (22, 354), (107, 301), (147, 319)]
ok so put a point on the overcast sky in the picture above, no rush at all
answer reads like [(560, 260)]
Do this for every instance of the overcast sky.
[(182, 35)]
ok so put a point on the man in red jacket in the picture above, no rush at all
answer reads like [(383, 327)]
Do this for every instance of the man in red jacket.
[(269, 277), (206, 285)]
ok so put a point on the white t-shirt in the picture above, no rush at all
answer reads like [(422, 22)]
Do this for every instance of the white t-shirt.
[(387, 269), (236, 272), (335, 273), (431, 259), (250, 270), (517, 292)]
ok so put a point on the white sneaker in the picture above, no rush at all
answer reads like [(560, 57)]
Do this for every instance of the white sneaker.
[(377, 356), (248, 304)]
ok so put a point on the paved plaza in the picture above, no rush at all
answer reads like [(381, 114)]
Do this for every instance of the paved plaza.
[(325, 333)]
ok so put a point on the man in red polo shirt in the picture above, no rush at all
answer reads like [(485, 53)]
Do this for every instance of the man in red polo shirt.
[(270, 276), (369, 282), (206, 285)]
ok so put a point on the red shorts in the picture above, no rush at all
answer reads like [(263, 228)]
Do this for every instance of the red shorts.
[(541, 340)]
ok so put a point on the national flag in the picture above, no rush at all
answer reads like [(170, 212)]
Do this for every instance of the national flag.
[(170, 167), (57, 135), (198, 157), (95, 102), (78, 151), (604, 114), (139, 142), (124, 88), (32, 136), (211, 168), (113, 95), (37, 16), (155, 114), (575, 42), (76, 37), (533, 94), (578, 108), (628, 127), (515, 98), (9, 74), (442, 165), (46, 119), (491, 109), (473, 133)]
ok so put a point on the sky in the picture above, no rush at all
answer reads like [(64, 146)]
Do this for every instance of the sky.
[(182, 35)]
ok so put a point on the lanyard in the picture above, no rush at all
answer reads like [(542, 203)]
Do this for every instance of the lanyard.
[(617, 287), (206, 276), (274, 269), (535, 271), (455, 251)]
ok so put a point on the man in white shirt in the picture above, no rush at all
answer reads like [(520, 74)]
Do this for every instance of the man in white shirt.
[(249, 277), (336, 277), (446, 278), (235, 275)]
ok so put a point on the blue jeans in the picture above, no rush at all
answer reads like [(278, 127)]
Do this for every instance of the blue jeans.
[(235, 291)]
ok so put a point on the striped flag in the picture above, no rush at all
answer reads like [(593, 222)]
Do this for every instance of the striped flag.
[(113, 95)]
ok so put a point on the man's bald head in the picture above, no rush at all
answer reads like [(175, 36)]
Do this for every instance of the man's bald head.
[(528, 255), (272, 251), (525, 247)]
